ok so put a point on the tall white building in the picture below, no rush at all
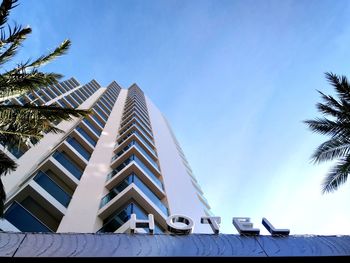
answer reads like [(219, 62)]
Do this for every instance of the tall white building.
[(122, 159)]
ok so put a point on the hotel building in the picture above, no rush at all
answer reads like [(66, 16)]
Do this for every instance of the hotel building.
[(121, 159)]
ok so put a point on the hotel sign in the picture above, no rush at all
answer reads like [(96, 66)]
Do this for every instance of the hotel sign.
[(242, 224)]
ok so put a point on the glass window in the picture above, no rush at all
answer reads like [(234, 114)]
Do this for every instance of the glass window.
[(16, 151), (102, 114), (81, 94), (97, 120), (24, 220), (86, 136), (63, 103), (69, 164), (71, 101), (80, 148), (92, 127), (113, 222), (52, 188), (52, 90), (145, 189), (76, 97)]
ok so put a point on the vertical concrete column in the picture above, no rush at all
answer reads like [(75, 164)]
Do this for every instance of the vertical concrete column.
[(82, 211)]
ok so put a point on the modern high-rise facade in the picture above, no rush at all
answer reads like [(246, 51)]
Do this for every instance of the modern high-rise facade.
[(121, 159)]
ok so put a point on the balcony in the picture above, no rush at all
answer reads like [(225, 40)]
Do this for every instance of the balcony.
[(132, 121), (127, 119), (52, 188), (141, 141), (96, 130), (135, 129), (98, 120), (133, 179), (133, 143), (106, 104), (17, 151), (143, 167), (68, 164), (60, 175), (100, 113), (135, 104), (137, 110), (115, 221), (72, 101), (87, 137), (24, 220), (78, 147), (76, 97), (81, 94), (103, 107)]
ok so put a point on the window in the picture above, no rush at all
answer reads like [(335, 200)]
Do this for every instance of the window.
[(69, 164)]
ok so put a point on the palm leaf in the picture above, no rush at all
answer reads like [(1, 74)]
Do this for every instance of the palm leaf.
[(325, 126), (5, 8), (18, 124), (6, 165), (337, 175), (17, 33), (331, 149), (11, 49), (16, 84), (59, 51), (340, 84)]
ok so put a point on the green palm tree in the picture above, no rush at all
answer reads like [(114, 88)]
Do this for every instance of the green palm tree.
[(337, 126), (21, 125)]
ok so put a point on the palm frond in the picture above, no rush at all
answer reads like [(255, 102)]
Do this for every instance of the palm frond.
[(6, 165), (331, 149), (2, 199), (51, 113), (337, 176), (325, 126), (5, 8), (341, 85), (330, 106), (59, 51), (19, 35), (18, 124), (21, 82), (15, 34)]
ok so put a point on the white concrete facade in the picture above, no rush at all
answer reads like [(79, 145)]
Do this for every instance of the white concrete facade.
[(122, 159)]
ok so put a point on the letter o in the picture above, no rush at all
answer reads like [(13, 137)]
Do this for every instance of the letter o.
[(180, 230)]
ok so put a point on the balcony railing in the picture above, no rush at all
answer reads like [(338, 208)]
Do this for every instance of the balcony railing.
[(24, 220), (78, 147), (138, 132), (86, 136), (139, 122), (68, 163), (115, 221), (142, 166), (92, 127), (52, 188), (145, 189), (139, 148), (94, 117)]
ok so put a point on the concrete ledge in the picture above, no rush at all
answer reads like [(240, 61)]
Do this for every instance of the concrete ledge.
[(197, 245)]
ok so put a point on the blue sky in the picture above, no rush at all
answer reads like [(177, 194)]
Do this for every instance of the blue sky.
[(235, 80)]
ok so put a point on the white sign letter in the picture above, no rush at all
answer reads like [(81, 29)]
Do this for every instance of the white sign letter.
[(213, 221), (273, 231), (180, 230), (244, 226), (135, 223)]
